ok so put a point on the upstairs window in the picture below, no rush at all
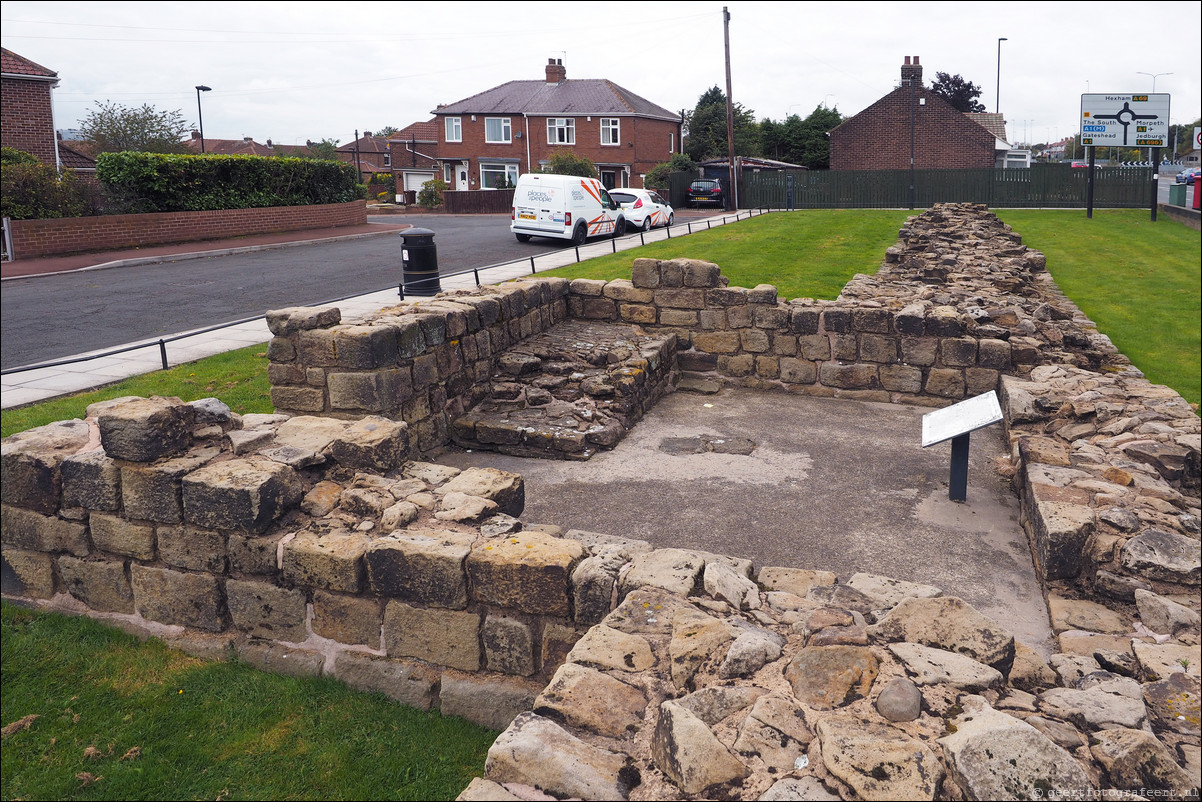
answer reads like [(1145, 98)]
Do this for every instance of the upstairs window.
[(611, 131), (454, 129), (497, 130), (561, 131)]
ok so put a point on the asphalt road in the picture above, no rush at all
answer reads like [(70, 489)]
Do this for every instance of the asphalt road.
[(51, 317)]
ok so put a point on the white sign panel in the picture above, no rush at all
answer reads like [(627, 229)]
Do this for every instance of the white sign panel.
[(967, 416), (1136, 121)]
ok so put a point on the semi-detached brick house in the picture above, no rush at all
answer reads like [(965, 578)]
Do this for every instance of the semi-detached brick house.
[(26, 110), (879, 137), (514, 128)]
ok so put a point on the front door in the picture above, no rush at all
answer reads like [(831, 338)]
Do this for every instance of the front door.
[(461, 182), (609, 179)]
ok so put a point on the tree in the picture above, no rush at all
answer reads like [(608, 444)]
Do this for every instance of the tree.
[(387, 131), (960, 93), (564, 162), (657, 176), (705, 128), (800, 141), (430, 195), (113, 128), (326, 149)]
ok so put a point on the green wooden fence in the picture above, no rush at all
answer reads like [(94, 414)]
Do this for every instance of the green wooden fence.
[(1039, 186)]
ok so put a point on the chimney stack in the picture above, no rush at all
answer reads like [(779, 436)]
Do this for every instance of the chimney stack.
[(555, 71), (911, 72)]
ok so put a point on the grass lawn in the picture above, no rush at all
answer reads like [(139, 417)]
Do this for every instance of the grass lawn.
[(1138, 280), (120, 719)]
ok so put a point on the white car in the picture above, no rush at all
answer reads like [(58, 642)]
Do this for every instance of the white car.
[(644, 208)]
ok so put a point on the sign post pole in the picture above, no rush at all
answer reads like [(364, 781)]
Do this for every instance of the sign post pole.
[(957, 486), (1155, 181), (1118, 120), (956, 423)]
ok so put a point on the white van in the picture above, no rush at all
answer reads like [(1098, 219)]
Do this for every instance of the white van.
[(563, 207)]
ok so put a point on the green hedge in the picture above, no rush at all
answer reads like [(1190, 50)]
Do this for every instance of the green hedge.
[(158, 182)]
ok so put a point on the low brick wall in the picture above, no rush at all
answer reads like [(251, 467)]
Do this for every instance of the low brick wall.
[(34, 238)]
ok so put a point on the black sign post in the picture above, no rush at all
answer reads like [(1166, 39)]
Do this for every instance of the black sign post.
[(955, 423)]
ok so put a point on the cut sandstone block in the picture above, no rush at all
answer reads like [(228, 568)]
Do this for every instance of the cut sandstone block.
[(526, 571), (30, 463), (243, 495), (144, 429)]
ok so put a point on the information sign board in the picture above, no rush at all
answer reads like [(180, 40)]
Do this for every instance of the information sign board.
[(1121, 120)]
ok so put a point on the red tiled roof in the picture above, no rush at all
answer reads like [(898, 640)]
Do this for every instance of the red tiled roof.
[(419, 132), (12, 64), (367, 144), (72, 158)]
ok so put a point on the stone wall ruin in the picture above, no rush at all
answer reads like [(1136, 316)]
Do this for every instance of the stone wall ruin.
[(327, 544)]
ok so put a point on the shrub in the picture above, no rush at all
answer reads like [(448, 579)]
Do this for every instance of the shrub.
[(386, 180), (657, 176), (567, 163), (430, 196), (30, 190), (152, 182)]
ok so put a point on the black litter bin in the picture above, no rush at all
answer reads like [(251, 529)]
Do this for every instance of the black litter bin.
[(419, 262)]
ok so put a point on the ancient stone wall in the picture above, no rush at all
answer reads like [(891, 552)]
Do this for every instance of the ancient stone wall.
[(958, 303)]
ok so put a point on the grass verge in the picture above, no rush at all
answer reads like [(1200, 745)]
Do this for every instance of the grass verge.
[(809, 254), (239, 378), (1137, 280), (121, 719)]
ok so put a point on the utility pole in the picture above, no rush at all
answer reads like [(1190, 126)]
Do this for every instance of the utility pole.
[(730, 114)]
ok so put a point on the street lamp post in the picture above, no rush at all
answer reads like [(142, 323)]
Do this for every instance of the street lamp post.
[(1154, 76), (199, 116), (998, 94)]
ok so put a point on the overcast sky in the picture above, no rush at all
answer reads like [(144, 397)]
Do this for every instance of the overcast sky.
[(292, 71)]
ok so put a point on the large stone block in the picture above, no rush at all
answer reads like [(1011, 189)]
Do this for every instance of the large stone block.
[(878, 348), (348, 619), (536, 751), (1060, 531), (117, 535), (365, 347), (645, 273), (288, 321), (253, 554), (193, 547), (99, 584), (298, 399), (958, 353), (411, 684), (144, 429), (153, 492), (372, 443), (946, 383), (848, 377), (423, 566), (264, 610), (901, 378), (680, 298), (525, 571), (243, 495), (919, 351), (508, 645), (716, 342), (26, 573), (507, 490), (91, 480), (375, 391), (29, 463), (29, 530), (333, 561), (171, 597), (445, 637), (276, 658)]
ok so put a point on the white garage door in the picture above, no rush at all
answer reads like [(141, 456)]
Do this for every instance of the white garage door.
[(414, 181)]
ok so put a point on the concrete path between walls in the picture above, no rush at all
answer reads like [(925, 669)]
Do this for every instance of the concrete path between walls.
[(801, 482)]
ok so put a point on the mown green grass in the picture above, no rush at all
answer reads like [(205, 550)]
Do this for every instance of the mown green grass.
[(1137, 280), (239, 378), (120, 719), (809, 254)]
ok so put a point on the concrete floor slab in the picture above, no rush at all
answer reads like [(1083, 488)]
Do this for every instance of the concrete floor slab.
[(830, 484)]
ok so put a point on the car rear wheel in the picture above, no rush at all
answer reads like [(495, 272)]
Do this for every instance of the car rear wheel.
[(523, 237), (578, 235), (646, 223)]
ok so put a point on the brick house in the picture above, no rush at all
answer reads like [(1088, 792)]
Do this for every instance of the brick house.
[(415, 154), (514, 128), (370, 153), (880, 136), (26, 108)]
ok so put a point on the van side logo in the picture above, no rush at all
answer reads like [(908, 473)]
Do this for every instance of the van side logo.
[(577, 195), (536, 195)]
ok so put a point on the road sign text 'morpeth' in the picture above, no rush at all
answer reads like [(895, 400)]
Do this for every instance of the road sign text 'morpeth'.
[(1122, 120)]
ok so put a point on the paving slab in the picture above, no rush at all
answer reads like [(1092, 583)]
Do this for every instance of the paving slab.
[(829, 484)]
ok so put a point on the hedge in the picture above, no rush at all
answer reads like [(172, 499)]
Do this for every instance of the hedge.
[(158, 182)]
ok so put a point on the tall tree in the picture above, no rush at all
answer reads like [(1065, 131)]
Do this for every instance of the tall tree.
[(113, 128), (326, 149), (386, 131), (960, 93), (705, 128), (800, 141)]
